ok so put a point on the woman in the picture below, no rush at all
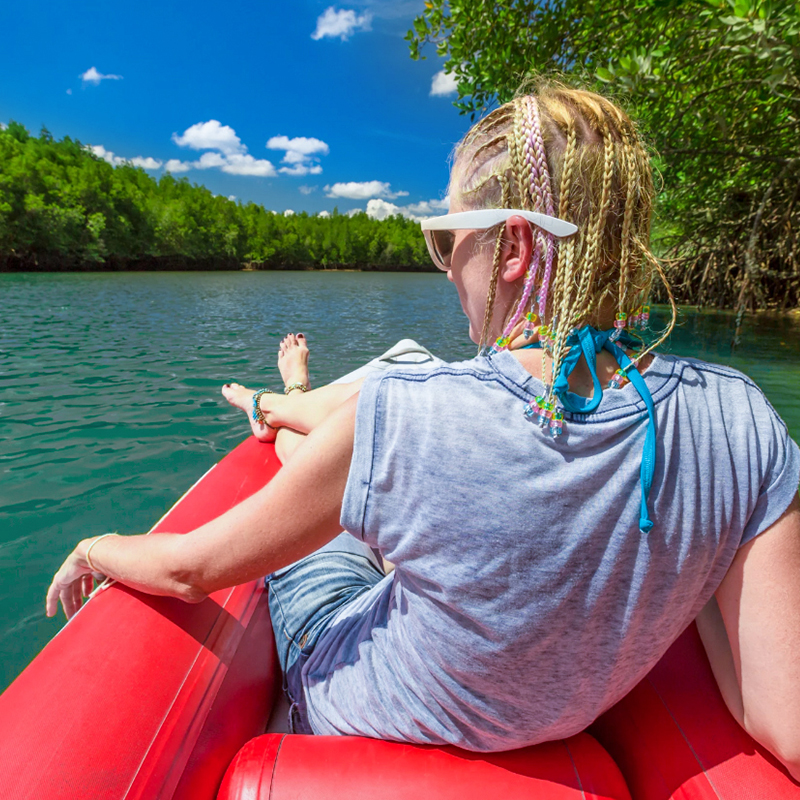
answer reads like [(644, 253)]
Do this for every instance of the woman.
[(550, 540)]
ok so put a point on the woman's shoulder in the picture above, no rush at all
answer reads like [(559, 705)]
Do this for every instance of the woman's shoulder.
[(719, 373), (439, 372), (712, 383)]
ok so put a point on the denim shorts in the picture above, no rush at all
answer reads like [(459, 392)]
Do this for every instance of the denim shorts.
[(304, 599)]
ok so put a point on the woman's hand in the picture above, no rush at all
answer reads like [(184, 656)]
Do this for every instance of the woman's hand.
[(296, 513), (72, 582)]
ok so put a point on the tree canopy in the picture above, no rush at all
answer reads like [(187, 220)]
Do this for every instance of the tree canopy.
[(62, 207), (716, 86)]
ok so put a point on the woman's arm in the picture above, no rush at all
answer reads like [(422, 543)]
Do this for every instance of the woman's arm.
[(757, 665), (293, 515)]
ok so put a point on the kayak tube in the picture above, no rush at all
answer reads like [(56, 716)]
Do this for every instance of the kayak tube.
[(148, 697)]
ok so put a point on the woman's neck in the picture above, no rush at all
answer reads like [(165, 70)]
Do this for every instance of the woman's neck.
[(580, 381)]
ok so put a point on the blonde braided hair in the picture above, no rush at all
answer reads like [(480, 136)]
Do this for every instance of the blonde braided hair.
[(598, 176)]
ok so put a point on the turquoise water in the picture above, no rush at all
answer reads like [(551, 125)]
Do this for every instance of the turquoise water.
[(110, 404)]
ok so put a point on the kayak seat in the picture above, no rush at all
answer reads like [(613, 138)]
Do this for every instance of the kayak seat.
[(674, 738), (282, 766)]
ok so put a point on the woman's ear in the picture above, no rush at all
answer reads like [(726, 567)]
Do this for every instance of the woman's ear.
[(517, 249)]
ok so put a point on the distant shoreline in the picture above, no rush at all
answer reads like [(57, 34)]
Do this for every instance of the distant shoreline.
[(184, 264)]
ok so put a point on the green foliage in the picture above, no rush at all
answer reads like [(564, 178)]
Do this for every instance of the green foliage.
[(62, 207), (716, 85)]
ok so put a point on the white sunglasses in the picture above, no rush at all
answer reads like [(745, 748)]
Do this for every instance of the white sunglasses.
[(439, 236)]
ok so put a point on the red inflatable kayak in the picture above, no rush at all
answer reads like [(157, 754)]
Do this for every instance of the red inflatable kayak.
[(147, 697)]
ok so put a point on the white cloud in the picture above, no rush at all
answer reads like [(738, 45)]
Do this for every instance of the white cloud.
[(300, 154), (302, 169), (226, 151), (237, 164), (106, 155), (174, 165), (443, 84), (288, 213), (380, 209), (94, 77), (209, 160), (3, 126), (355, 190), (211, 135), (232, 198), (324, 214), (307, 189), (146, 163), (342, 23), (353, 211), (302, 145), (429, 208), (116, 161)]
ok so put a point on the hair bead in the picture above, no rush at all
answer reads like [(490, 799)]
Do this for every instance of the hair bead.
[(533, 409), (618, 379), (531, 318), (620, 323)]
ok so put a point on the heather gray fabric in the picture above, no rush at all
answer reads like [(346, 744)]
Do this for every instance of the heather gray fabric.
[(525, 599)]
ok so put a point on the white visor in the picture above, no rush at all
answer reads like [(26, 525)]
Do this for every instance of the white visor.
[(483, 218)]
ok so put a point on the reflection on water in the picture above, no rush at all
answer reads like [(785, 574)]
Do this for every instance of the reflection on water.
[(110, 405)]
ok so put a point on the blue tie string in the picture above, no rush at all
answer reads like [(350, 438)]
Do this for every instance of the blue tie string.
[(587, 342)]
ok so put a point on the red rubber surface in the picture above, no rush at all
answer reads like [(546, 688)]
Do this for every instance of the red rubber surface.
[(148, 697), (674, 738), (289, 767)]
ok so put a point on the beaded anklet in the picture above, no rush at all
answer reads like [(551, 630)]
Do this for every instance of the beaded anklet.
[(301, 386), (258, 414)]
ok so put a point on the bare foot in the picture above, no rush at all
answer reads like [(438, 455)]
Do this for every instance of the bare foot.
[(293, 360), (241, 397)]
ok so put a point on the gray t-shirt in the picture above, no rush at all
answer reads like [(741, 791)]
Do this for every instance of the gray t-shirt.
[(525, 599)]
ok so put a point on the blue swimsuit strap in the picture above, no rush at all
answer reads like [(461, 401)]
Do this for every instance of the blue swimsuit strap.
[(587, 342)]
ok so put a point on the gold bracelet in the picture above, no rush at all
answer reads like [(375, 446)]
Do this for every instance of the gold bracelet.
[(89, 549), (301, 386)]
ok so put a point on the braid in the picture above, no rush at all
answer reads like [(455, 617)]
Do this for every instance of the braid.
[(545, 193), (594, 246), (625, 265), (529, 164), (519, 152), (498, 250), (569, 248), (542, 194), (645, 251), (570, 153), (565, 287)]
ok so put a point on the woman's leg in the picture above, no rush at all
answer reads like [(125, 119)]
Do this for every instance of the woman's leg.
[(299, 411), (302, 412)]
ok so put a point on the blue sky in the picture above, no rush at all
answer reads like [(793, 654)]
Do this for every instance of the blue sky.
[(350, 120)]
